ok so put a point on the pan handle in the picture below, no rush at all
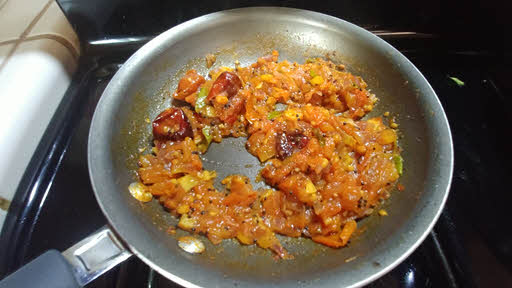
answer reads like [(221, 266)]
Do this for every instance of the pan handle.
[(96, 255), (75, 267)]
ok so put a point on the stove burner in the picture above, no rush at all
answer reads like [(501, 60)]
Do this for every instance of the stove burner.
[(470, 246)]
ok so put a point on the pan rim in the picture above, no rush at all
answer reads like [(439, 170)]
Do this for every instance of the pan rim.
[(448, 160)]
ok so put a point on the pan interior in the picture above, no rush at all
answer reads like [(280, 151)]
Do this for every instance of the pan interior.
[(142, 88)]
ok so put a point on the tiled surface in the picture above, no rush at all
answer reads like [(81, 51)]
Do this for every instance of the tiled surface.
[(2, 218), (22, 20), (53, 24), (30, 97), (4, 51), (2, 3), (17, 15), (38, 54)]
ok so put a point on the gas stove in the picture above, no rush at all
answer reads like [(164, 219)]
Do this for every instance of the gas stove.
[(470, 246)]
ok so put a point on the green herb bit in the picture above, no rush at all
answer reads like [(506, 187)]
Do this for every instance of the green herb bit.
[(274, 114), (457, 81), (207, 132), (399, 164), (318, 134), (201, 99)]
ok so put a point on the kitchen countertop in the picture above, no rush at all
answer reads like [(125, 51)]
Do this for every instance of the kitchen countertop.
[(38, 55), (462, 251)]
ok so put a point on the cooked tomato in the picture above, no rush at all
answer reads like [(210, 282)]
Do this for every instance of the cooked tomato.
[(326, 167), (188, 85)]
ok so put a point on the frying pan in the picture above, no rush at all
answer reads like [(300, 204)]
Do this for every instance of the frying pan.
[(142, 88)]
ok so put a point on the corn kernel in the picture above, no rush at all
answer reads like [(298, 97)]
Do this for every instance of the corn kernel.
[(244, 239), (221, 99), (267, 239), (324, 163), (349, 140), (387, 136), (310, 187), (188, 182), (144, 161), (186, 222), (337, 138), (374, 124), (383, 212), (225, 68), (267, 78), (347, 163), (207, 175), (267, 194), (293, 114), (227, 181), (317, 80), (183, 209), (361, 149)]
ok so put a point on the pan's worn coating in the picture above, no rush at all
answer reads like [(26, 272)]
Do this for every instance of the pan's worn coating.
[(141, 89)]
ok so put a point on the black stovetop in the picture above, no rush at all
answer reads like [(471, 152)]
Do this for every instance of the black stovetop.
[(470, 245)]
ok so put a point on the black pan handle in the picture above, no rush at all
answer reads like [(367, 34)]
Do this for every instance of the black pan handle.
[(75, 267), (47, 270)]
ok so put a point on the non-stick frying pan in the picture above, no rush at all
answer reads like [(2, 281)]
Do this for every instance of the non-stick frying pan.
[(141, 89)]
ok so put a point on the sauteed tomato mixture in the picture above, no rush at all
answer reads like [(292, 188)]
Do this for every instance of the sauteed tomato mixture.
[(327, 168)]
